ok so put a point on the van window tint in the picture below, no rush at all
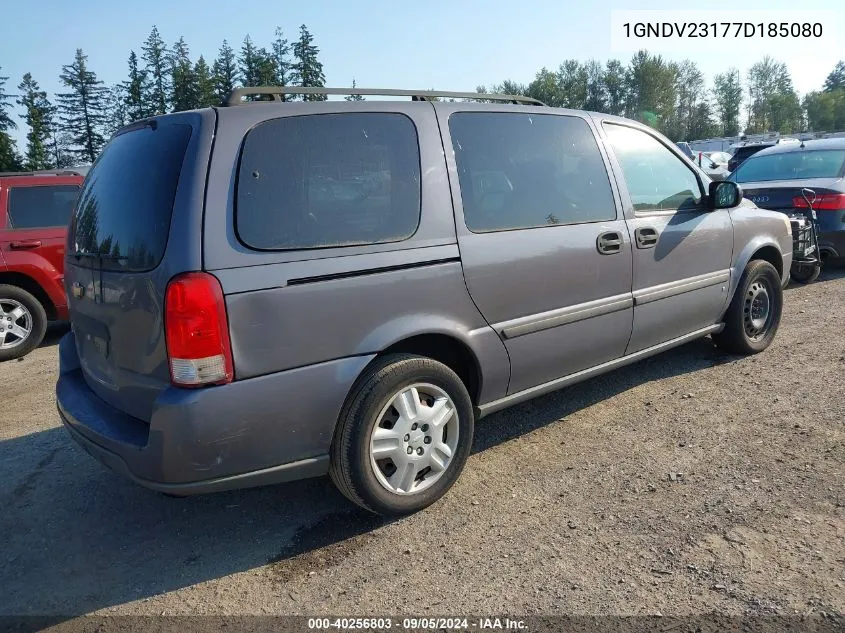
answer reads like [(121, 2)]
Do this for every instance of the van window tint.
[(657, 179), (521, 171), (41, 207), (126, 202), (326, 180)]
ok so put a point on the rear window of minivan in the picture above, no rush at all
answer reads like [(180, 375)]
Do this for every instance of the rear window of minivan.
[(124, 210), (329, 180)]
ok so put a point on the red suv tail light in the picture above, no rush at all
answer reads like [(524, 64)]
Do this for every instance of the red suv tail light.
[(824, 202), (197, 331)]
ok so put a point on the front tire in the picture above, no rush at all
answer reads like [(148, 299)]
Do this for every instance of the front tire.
[(753, 317), (23, 322), (403, 436)]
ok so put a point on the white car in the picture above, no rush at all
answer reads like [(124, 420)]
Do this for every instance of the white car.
[(714, 164)]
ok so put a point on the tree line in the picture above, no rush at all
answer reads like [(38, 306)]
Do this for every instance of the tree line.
[(673, 98), (670, 96), (73, 128)]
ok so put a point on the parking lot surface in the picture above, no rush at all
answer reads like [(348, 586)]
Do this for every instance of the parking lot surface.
[(688, 483)]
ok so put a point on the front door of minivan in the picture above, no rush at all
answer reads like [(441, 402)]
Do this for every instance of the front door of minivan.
[(682, 249), (546, 255)]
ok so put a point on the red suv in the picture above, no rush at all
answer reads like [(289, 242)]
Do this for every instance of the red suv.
[(35, 209)]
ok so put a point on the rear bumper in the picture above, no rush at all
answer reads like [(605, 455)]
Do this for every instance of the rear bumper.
[(252, 432)]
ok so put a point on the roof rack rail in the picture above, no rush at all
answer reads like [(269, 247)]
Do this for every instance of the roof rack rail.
[(45, 172), (235, 97)]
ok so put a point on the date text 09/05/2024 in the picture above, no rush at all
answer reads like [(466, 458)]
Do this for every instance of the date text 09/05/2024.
[(381, 624), (723, 29)]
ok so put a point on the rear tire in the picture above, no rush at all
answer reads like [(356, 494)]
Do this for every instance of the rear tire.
[(805, 274), (753, 317), (23, 322), (403, 435)]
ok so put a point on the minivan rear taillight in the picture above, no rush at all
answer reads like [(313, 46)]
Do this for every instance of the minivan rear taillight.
[(823, 202), (197, 331)]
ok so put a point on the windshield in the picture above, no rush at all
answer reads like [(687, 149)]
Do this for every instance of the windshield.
[(792, 166)]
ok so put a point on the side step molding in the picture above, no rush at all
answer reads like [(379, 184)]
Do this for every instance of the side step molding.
[(571, 379)]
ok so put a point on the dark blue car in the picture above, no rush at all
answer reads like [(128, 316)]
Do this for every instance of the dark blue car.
[(774, 177)]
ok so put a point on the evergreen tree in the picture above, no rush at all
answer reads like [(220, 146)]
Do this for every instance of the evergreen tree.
[(248, 62), (136, 90), (9, 159), (258, 67), (59, 147), (184, 95), (206, 94), (6, 122), (281, 57), (83, 109), (266, 73), (224, 72), (155, 56), (37, 114), (356, 97), (116, 115), (307, 67)]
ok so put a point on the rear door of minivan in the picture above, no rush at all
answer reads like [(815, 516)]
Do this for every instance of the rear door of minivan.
[(545, 250), (137, 224)]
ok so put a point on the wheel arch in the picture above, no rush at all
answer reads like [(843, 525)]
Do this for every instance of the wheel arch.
[(764, 248), (27, 283), (449, 350)]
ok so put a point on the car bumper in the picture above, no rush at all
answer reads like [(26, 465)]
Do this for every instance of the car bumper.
[(247, 433)]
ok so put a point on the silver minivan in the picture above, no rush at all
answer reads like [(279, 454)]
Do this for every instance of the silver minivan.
[(271, 290)]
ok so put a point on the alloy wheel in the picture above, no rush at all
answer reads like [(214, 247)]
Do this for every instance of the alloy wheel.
[(15, 323)]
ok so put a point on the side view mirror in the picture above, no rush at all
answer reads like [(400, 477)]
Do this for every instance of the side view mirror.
[(724, 194)]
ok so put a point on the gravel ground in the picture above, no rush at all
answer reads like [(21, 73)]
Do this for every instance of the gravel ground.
[(689, 483)]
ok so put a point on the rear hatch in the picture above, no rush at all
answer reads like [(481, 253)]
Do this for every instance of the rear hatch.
[(137, 223)]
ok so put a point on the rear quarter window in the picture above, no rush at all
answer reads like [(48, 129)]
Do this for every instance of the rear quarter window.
[(328, 180), (41, 206)]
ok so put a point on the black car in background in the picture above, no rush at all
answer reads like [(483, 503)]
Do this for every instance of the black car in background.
[(742, 151)]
